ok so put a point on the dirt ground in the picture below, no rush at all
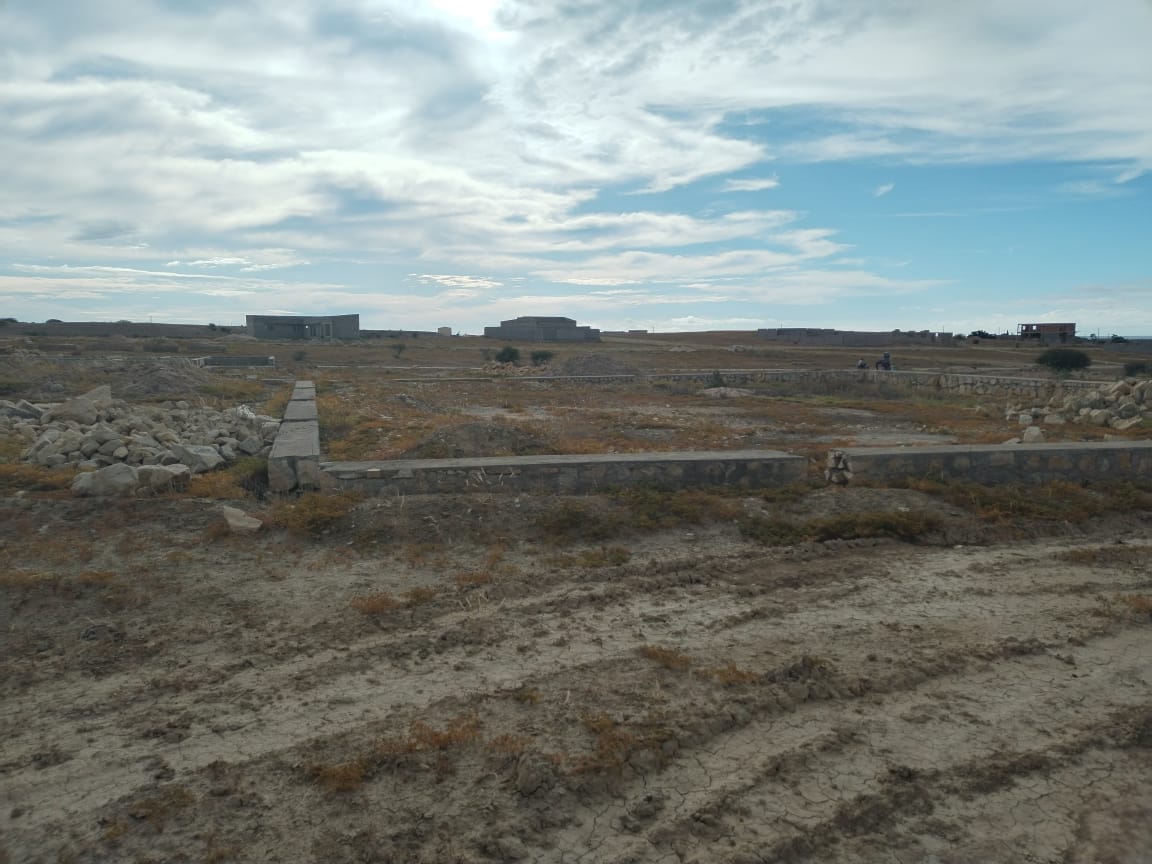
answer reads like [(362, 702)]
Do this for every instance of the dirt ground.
[(436, 679), (171, 693)]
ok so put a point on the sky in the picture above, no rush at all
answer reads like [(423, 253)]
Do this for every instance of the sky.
[(671, 165)]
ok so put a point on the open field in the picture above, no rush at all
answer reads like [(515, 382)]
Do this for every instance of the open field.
[(943, 673)]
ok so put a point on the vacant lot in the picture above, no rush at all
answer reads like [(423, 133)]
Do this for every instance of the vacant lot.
[(944, 673)]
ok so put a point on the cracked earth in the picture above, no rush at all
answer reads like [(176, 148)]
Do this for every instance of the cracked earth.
[(173, 694)]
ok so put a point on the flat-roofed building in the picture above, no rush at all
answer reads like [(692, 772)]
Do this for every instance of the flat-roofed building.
[(303, 326), (532, 328), (1047, 331)]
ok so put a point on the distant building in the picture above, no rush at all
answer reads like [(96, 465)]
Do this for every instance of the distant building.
[(1047, 332), (303, 326), (530, 328), (855, 338), (443, 331)]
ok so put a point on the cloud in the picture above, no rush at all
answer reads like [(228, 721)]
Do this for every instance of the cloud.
[(352, 144), (751, 185), (883, 189)]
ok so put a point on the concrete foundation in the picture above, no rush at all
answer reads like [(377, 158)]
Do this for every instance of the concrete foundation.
[(295, 459), (570, 475), (996, 463)]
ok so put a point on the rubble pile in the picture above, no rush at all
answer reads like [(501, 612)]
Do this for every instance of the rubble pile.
[(120, 447), (1121, 405)]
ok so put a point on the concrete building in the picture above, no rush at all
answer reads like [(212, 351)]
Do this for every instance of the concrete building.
[(1047, 332), (529, 328), (857, 338), (303, 326)]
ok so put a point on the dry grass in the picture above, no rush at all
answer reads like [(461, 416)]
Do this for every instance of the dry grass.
[(419, 595), (1141, 603), (903, 525), (508, 744), (313, 514), (1107, 556), (423, 737), (17, 477), (733, 676), (341, 777), (473, 578), (523, 694), (227, 392), (217, 484), (669, 658), (374, 605)]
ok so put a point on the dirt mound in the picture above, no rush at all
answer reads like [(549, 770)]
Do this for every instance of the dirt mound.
[(479, 439), (150, 380), (595, 364)]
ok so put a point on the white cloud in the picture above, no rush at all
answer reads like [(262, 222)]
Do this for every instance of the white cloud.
[(752, 185), (522, 141), (883, 189)]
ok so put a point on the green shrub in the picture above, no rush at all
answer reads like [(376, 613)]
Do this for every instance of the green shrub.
[(539, 358), (1137, 368), (508, 354), (1064, 360)]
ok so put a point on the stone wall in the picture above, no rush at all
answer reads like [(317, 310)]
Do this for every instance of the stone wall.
[(570, 475), (996, 463), (294, 462)]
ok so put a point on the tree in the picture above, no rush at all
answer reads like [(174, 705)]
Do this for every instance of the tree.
[(1064, 360)]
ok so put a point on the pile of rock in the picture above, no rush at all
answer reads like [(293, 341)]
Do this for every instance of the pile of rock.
[(121, 447), (1122, 405)]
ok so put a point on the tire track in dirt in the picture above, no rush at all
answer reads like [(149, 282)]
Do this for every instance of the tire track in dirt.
[(796, 775), (339, 702)]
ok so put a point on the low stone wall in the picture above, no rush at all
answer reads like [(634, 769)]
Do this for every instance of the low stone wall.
[(996, 463), (234, 360), (570, 475), (1007, 387), (294, 462)]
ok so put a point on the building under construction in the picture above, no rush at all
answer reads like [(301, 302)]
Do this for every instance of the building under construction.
[(1047, 332)]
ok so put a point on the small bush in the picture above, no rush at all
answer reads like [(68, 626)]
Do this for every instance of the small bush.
[(508, 354), (1137, 368), (541, 358), (1064, 360)]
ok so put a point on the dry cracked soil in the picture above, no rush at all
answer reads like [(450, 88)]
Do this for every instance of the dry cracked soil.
[(427, 682)]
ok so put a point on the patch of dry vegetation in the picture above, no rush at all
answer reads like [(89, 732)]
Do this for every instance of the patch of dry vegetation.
[(313, 514)]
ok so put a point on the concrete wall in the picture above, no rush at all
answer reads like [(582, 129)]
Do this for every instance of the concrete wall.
[(997, 463), (570, 475), (231, 360), (294, 462)]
